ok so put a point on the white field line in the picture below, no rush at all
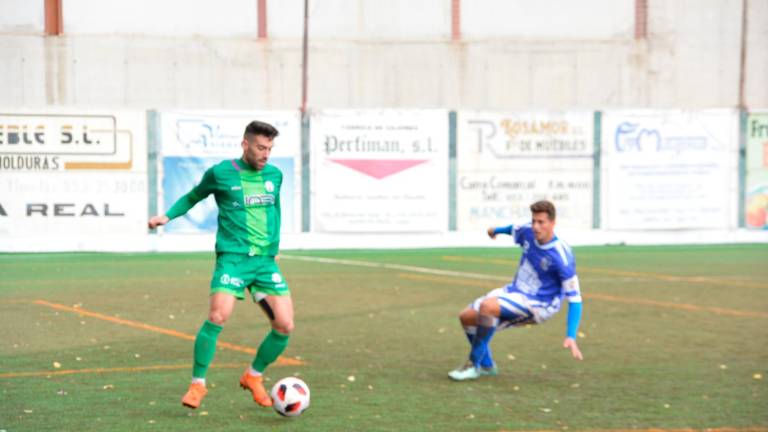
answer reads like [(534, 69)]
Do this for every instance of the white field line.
[(400, 267)]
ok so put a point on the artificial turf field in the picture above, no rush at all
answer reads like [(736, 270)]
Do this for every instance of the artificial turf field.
[(673, 338)]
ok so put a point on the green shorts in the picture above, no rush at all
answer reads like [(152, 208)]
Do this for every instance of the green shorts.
[(259, 274)]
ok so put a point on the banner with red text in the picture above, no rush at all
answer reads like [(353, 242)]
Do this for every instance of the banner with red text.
[(379, 171)]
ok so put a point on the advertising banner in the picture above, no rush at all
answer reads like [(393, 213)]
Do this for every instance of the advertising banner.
[(77, 175), (379, 171), (670, 169), (508, 160), (192, 142), (757, 171)]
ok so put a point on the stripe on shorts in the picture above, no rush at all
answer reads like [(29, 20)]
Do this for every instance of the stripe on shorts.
[(507, 305)]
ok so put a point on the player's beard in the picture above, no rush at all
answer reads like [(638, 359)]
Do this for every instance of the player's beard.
[(255, 162)]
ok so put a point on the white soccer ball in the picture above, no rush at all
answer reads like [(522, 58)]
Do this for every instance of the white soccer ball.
[(290, 397)]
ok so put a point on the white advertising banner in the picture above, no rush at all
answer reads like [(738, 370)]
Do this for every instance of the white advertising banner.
[(76, 175), (379, 171), (192, 142), (757, 171), (670, 169), (508, 160)]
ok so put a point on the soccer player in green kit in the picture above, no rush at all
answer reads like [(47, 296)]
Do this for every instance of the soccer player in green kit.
[(247, 192)]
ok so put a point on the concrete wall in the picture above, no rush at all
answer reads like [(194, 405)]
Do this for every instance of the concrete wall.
[(513, 54)]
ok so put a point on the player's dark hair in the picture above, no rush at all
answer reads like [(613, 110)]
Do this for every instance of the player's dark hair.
[(260, 128), (544, 206)]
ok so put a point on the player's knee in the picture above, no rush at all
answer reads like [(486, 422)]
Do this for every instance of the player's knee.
[(468, 316), (217, 317), (489, 306), (283, 326)]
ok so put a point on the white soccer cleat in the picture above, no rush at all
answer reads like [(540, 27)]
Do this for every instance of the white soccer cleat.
[(465, 373)]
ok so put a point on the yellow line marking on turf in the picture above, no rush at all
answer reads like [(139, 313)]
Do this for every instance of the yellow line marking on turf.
[(611, 272), (112, 370), (605, 297), (13, 302), (681, 306), (719, 429), (673, 278), (139, 325), (453, 281)]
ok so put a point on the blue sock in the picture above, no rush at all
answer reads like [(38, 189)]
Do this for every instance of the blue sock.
[(481, 340), (486, 361)]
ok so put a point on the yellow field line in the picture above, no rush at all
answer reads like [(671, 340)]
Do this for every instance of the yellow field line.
[(111, 370), (13, 302), (720, 429), (605, 297), (449, 280), (611, 272), (681, 306), (673, 278), (155, 329)]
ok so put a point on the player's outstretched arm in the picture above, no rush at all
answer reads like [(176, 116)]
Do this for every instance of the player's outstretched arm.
[(492, 233), (156, 221), (571, 344)]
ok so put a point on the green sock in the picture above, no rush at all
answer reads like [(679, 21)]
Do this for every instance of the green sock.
[(205, 348), (270, 349)]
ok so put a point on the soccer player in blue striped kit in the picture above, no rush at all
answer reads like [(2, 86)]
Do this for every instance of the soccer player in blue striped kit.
[(546, 275)]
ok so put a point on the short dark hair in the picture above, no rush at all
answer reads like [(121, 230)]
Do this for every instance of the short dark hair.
[(544, 206), (260, 128)]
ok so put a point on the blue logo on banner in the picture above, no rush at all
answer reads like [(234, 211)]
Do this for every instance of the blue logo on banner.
[(630, 137)]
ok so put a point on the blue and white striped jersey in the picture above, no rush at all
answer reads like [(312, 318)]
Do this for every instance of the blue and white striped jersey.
[(547, 272)]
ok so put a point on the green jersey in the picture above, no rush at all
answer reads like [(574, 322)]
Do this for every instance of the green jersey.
[(249, 206)]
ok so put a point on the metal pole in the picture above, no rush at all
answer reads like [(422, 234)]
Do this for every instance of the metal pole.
[(305, 168), (304, 50), (743, 56)]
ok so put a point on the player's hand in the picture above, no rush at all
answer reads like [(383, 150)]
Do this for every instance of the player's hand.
[(156, 221), (492, 233), (574, 347)]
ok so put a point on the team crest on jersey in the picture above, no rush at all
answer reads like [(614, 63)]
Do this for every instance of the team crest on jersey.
[(526, 246), (276, 278), (545, 263), (269, 186), (259, 200)]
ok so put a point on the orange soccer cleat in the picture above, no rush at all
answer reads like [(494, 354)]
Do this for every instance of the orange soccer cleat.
[(256, 385), (194, 395)]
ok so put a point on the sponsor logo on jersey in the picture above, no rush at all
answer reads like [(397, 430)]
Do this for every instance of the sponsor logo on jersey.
[(236, 188), (259, 200)]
